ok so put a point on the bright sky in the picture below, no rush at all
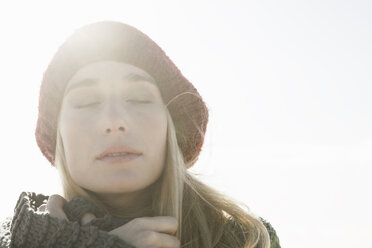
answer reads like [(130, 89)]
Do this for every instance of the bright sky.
[(288, 85)]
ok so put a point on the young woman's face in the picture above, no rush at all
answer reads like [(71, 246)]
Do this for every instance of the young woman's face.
[(110, 104)]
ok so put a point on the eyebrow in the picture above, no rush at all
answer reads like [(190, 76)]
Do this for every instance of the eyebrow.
[(88, 82)]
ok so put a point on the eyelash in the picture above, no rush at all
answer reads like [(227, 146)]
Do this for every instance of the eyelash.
[(139, 101), (94, 103), (86, 105)]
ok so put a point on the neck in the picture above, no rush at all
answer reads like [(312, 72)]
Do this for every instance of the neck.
[(128, 205)]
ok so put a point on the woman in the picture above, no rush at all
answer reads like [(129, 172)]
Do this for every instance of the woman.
[(122, 125)]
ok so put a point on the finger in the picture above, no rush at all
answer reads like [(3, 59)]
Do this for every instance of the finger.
[(165, 240), (56, 201), (164, 224), (42, 208), (57, 213), (55, 206), (87, 217)]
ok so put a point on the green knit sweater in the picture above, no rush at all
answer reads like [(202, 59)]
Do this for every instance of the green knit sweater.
[(33, 229)]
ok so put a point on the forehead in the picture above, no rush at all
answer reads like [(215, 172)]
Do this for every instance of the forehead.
[(110, 72)]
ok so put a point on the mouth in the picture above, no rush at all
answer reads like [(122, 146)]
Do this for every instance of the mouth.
[(118, 153), (119, 157)]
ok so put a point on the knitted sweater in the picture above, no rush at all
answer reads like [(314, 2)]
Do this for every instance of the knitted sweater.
[(31, 228)]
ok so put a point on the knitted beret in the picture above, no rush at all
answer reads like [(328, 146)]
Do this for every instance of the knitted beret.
[(110, 40)]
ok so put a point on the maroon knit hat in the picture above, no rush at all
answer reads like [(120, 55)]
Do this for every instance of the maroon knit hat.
[(110, 40)]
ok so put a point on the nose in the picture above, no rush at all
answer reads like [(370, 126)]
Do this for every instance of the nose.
[(115, 127), (114, 121)]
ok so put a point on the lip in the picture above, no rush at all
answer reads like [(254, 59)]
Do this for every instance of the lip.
[(117, 148), (120, 159)]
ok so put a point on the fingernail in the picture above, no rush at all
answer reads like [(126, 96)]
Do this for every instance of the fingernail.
[(87, 218), (42, 208)]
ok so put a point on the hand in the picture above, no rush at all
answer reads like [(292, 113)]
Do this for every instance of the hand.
[(55, 205), (146, 232)]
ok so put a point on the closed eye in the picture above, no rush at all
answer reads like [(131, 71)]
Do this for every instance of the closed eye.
[(87, 105), (138, 101), (96, 103)]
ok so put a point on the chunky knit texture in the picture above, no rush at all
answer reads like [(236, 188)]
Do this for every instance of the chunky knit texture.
[(31, 228), (108, 40)]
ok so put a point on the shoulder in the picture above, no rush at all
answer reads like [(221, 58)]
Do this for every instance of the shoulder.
[(31, 200), (274, 239), (5, 232), (233, 225)]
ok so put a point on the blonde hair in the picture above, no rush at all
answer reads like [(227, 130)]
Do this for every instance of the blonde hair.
[(206, 218)]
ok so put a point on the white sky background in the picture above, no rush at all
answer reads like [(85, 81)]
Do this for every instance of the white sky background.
[(288, 85)]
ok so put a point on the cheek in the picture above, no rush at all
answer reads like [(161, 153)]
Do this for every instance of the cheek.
[(78, 129), (76, 139), (154, 128), (77, 158)]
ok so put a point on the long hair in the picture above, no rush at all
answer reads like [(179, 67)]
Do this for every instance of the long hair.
[(206, 218)]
